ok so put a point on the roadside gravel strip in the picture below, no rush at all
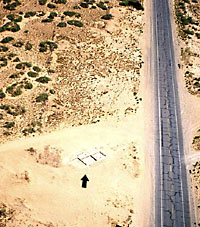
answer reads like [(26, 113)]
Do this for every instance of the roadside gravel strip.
[(171, 192)]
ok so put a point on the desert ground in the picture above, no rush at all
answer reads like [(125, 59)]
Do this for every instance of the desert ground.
[(72, 98), (186, 14)]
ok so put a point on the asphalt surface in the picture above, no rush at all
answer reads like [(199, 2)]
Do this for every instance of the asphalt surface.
[(171, 191)]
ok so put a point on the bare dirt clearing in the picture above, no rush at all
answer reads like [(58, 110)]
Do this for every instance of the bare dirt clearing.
[(68, 71)]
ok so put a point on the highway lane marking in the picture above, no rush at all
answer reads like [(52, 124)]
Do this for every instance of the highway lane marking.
[(158, 93)]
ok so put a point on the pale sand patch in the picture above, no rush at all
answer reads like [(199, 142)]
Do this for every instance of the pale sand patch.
[(115, 190)]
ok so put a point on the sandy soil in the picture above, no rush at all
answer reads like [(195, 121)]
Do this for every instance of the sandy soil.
[(100, 105), (43, 188)]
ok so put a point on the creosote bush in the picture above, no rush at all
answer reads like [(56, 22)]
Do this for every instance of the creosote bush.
[(14, 75), (75, 23), (14, 17), (42, 97), (29, 14), (107, 17), (9, 124), (28, 85), (10, 26), (51, 6), (32, 74), (7, 39), (2, 94), (12, 6), (42, 2), (47, 20), (43, 79), (37, 69), (44, 46), (84, 5), (28, 46), (135, 3), (60, 1), (23, 65), (3, 48), (62, 25), (71, 14), (18, 44), (188, 32)]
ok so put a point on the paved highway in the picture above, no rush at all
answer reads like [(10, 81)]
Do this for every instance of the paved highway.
[(171, 191)]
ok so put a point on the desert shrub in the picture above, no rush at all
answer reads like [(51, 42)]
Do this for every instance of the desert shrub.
[(27, 64), (71, 14), (75, 23), (84, 5), (62, 25), (3, 58), (2, 94), (42, 2), (11, 26), (43, 46), (11, 55), (40, 13), (4, 107), (5, 63), (13, 90), (28, 85), (52, 15), (60, 1), (3, 48), (16, 59), (51, 71), (18, 44), (28, 46), (52, 91), (32, 74), (14, 75), (7, 39), (6, 1), (197, 84), (14, 17), (36, 69), (47, 20), (197, 35), (29, 14), (107, 17), (2, 29), (6, 133), (188, 32), (23, 65), (102, 6), (12, 6), (52, 45), (9, 124), (42, 97), (190, 20), (76, 7), (43, 79), (135, 3), (184, 20), (51, 6), (43, 49), (13, 110)]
